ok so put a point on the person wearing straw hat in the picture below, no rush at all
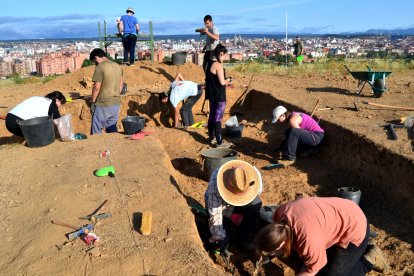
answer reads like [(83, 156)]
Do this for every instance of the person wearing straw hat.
[(232, 199), (128, 27), (302, 129)]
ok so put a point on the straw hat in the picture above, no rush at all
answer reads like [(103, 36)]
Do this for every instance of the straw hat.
[(130, 10), (238, 182)]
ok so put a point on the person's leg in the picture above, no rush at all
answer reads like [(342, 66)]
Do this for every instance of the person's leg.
[(111, 115), (186, 110), (296, 135), (98, 120), (221, 106), (211, 123), (12, 125), (349, 261), (132, 45), (125, 44)]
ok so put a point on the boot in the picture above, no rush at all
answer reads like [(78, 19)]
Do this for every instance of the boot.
[(374, 255)]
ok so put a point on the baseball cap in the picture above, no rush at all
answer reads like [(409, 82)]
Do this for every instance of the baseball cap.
[(277, 112)]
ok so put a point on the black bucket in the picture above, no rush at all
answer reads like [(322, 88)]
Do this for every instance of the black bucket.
[(133, 124), (214, 158), (38, 132), (178, 58), (350, 193), (234, 131)]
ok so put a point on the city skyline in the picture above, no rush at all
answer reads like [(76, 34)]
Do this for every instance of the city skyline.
[(78, 19)]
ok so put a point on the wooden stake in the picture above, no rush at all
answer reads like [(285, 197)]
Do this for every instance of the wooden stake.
[(314, 108), (389, 106)]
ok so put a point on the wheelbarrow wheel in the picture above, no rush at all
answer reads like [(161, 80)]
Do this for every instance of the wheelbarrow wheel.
[(378, 88)]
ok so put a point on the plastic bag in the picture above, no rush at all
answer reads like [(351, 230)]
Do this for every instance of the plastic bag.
[(64, 126), (232, 121)]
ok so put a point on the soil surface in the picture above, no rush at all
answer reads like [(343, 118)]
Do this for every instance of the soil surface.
[(163, 172)]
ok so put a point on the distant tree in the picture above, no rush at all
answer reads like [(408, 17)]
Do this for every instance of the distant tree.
[(86, 62), (166, 59), (17, 78)]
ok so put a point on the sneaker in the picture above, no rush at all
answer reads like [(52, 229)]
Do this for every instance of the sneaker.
[(225, 144), (286, 162), (374, 255)]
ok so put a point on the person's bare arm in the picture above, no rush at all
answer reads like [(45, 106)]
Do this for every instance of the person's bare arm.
[(176, 116), (95, 90), (179, 77), (295, 121), (121, 85), (137, 28), (121, 27), (218, 69), (211, 35)]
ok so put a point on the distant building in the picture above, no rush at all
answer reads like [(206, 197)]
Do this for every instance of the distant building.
[(60, 63)]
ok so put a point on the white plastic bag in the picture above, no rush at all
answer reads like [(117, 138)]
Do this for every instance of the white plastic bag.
[(64, 126), (232, 121)]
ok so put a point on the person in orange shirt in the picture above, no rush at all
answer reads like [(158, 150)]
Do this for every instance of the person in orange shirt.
[(329, 234)]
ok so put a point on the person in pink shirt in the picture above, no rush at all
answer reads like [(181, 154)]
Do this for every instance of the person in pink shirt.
[(302, 129), (329, 234)]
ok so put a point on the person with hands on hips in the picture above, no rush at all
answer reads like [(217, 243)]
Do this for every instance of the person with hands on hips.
[(232, 198)]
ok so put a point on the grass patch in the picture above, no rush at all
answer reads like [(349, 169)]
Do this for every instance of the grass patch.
[(324, 67)]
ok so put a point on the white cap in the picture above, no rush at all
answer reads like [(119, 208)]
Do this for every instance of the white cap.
[(277, 112)]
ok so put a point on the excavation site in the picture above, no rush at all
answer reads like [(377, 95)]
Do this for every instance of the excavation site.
[(165, 172)]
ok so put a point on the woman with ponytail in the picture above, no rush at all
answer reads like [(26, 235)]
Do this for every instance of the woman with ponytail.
[(329, 234)]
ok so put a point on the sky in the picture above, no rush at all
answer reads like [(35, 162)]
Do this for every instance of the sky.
[(31, 19)]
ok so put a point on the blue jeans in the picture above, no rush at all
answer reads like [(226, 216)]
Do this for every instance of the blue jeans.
[(186, 110), (105, 117), (129, 41)]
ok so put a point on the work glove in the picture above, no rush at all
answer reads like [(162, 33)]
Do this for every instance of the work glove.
[(93, 107), (217, 246)]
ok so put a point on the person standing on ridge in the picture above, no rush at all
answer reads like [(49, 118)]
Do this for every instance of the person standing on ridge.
[(128, 27), (107, 87), (212, 39), (298, 45)]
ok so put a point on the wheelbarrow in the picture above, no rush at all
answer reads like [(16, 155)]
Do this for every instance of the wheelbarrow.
[(375, 78)]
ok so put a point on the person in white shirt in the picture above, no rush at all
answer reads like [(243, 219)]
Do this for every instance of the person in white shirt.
[(34, 107), (182, 90)]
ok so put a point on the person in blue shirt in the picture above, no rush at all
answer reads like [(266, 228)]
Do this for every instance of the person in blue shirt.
[(128, 27)]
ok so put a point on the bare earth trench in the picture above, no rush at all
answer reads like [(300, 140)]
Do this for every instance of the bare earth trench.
[(163, 173)]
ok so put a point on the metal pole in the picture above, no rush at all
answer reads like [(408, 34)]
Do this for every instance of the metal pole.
[(99, 33), (286, 41), (151, 41)]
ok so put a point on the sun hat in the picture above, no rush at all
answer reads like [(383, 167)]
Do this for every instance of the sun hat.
[(277, 112), (238, 182), (130, 10)]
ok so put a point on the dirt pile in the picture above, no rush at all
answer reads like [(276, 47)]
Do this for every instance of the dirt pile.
[(357, 152)]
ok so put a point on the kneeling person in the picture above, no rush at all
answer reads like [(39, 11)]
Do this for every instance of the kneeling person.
[(233, 194), (182, 90)]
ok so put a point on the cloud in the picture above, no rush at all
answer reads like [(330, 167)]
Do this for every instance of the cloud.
[(254, 8)]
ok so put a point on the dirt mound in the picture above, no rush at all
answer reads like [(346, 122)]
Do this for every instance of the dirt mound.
[(357, 152)]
